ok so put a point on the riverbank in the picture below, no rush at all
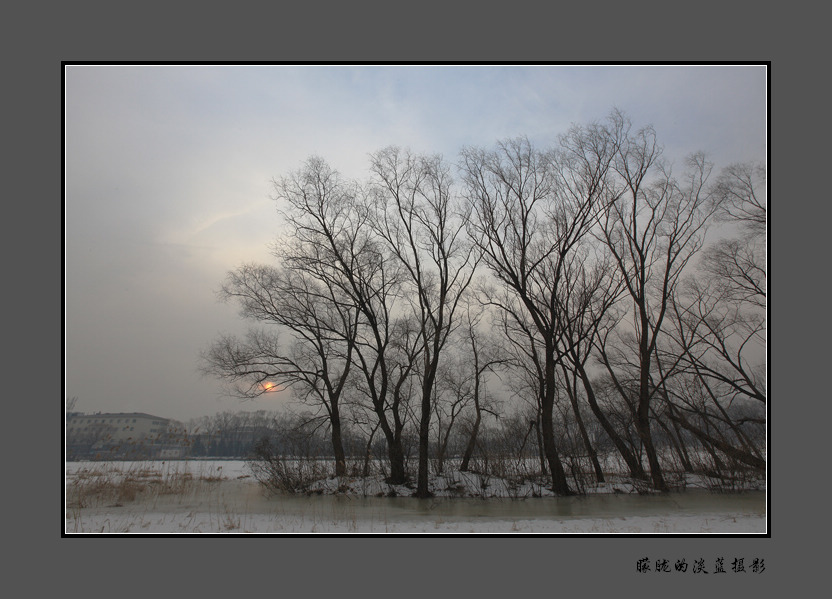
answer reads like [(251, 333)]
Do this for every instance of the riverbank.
[(223, 498)]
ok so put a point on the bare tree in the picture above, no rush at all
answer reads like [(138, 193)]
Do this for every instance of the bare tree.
[(415, 215), (652, 229), (719, 331), (316, 364), (485, 357), (525, 363), (329, 219), (462, 384), (735, 266), (590, 304), (453, 398), (529, 212), (719, 340), (586, 306), (740, 196)]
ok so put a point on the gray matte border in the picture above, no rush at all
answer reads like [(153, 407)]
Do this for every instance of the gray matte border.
[(402, 566)]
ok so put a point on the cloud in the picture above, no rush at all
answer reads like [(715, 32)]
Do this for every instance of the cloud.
[(168, 172)]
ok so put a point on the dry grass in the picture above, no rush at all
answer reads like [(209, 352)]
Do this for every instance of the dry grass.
[(107, 484)]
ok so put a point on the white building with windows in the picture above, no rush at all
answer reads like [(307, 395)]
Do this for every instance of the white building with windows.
[(131, 434)]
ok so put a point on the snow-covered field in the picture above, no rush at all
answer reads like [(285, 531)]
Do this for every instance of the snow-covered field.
[(222, 497)]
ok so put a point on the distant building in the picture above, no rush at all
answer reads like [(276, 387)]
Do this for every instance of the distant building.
[(131, 435)]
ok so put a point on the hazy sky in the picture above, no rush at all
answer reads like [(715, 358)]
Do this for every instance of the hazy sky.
[(168, 172)]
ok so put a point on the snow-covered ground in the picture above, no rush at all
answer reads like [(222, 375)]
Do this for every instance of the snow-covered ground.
[(222, 497)]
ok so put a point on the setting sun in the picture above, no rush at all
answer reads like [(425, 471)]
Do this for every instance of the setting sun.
[(267, 387)]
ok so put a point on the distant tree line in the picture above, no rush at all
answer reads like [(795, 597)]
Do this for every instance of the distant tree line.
[(569, 303)]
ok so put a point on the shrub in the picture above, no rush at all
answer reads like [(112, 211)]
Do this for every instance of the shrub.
[(279, 473)]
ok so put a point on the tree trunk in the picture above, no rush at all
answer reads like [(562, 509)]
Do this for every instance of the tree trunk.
[(643, 409), (395, 452), (543, 469), (644, 434), (368, 454), (633, 463), (572, 391), (338, 444), (560, 486), (472, 442), (733, 452), (685, 457), (422, 489), (442, 449), (675, 441)]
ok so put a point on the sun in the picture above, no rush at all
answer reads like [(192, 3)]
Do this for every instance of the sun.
[(269, 386)]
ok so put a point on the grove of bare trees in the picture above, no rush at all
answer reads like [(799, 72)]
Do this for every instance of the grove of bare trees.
[(587, 308)]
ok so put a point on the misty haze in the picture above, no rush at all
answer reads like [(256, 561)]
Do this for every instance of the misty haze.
[(430, 299)]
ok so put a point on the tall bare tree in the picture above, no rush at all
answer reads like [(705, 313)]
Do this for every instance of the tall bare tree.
[(653, 228), (586, 307), (416, 214), (329, 224), (486, 356), (719, 322), (530, 210), (318, 360)]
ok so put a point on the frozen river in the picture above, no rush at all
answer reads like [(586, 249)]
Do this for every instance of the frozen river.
[(688, 503), (235, 504)]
